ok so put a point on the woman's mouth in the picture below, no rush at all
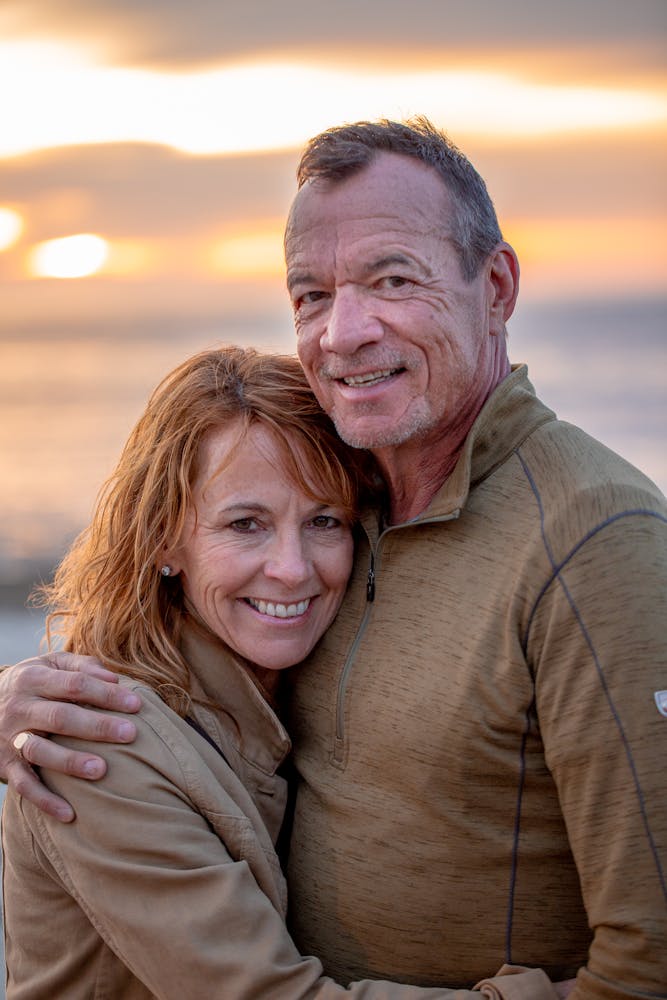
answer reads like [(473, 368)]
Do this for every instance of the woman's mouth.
[(274, 609)]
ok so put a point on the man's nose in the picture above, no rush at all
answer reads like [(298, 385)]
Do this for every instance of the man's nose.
[(351, 323)]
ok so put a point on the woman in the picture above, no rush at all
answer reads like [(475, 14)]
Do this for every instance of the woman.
[(217, 556)]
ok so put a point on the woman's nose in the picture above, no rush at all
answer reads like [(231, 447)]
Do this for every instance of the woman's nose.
[(288, 560)]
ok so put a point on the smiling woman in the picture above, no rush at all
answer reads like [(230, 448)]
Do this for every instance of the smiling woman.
[(217, 556)]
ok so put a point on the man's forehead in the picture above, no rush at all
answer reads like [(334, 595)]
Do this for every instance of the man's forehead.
[(393, 193), (362, 241)]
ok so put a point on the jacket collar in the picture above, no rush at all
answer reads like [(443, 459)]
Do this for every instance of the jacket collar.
[(220, 677)]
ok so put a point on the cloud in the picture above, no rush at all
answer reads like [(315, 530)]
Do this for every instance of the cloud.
[(174, 33), (137, 189), (62, 99)]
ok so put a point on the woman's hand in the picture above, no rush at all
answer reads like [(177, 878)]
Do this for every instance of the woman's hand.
[(44, 695)]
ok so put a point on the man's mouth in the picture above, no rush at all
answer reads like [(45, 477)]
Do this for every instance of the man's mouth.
[(370, 378), (276, 610)]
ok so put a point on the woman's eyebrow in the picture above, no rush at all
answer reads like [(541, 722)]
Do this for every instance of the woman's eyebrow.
[(252, 506)]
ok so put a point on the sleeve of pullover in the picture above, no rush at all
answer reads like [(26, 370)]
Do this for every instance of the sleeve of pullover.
[(597, 644)]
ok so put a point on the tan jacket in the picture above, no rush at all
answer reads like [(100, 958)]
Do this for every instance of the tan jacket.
[(167, 884), (483, 756)]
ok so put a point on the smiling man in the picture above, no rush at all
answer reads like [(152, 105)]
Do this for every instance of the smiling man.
[(480, 751), (401, 346)]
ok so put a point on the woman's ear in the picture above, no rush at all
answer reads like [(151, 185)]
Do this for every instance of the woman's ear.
[(504, 278), (169, 563)]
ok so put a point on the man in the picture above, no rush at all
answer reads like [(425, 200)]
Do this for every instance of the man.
[(480, 741)]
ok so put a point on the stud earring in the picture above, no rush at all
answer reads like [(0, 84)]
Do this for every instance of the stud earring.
[(166, 571)]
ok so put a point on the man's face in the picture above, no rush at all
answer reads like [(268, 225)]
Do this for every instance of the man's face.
[(395, 342)]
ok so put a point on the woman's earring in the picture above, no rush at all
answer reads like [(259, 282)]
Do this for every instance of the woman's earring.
[(166, 571)]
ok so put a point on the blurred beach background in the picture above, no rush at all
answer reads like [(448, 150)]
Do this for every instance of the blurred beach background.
[(147, 161), (147, 158)]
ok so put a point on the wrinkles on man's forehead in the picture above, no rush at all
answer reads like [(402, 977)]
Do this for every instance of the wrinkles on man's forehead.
[(322, 226), (368, 249)]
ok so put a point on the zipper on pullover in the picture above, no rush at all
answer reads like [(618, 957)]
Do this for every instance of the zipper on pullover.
[(370, 581), (373, 570)]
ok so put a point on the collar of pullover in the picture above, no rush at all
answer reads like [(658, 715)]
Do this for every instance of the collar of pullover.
[(511, 413)]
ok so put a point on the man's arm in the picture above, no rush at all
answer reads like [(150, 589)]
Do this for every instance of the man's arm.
[(598, 642), (45, 695)]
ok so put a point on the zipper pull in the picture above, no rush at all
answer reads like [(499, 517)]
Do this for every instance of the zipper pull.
[(370, 583)]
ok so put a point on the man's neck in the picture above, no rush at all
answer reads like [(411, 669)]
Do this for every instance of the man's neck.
[(416, 470), (413, 479)]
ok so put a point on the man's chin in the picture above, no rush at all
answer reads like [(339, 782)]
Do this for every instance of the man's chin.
[(374, 435)]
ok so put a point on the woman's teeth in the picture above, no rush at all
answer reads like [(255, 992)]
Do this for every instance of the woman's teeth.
[(275, 610)]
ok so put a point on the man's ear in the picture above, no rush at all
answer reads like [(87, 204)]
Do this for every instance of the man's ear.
[(503, 271)]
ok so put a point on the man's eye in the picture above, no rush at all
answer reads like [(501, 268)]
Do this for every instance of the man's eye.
[(394, 281), (310, 298)]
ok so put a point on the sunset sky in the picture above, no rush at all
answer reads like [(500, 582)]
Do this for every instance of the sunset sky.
[(169, 132), (148, 151)]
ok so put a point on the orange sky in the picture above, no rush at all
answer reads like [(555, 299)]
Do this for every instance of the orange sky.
[(179, 152), (155, 145)]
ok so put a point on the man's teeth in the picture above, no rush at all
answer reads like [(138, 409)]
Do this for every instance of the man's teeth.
[(275, 610), (370, 378)]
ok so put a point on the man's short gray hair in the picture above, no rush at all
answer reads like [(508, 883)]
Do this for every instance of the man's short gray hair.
[(344, 150)]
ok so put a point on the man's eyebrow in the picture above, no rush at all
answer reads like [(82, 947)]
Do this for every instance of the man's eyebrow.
[(368, 270), (299, 278), (381, 263)]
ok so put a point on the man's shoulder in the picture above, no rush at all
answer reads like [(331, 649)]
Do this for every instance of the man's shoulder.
[(561, 458)]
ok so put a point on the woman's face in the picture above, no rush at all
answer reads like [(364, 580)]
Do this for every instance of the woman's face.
[(263, 565)]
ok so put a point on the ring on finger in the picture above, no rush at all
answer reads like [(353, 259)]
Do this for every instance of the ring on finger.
[(20, 741)]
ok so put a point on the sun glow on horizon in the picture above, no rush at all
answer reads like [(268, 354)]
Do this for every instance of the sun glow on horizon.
[(11, 227), (64, 98), (250, 254), (70, 257)]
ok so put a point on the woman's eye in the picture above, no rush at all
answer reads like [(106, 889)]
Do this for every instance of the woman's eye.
[(325, 521), (244, 525)]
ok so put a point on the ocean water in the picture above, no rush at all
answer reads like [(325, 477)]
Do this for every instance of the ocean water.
[(68, 398), (21, 632)]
